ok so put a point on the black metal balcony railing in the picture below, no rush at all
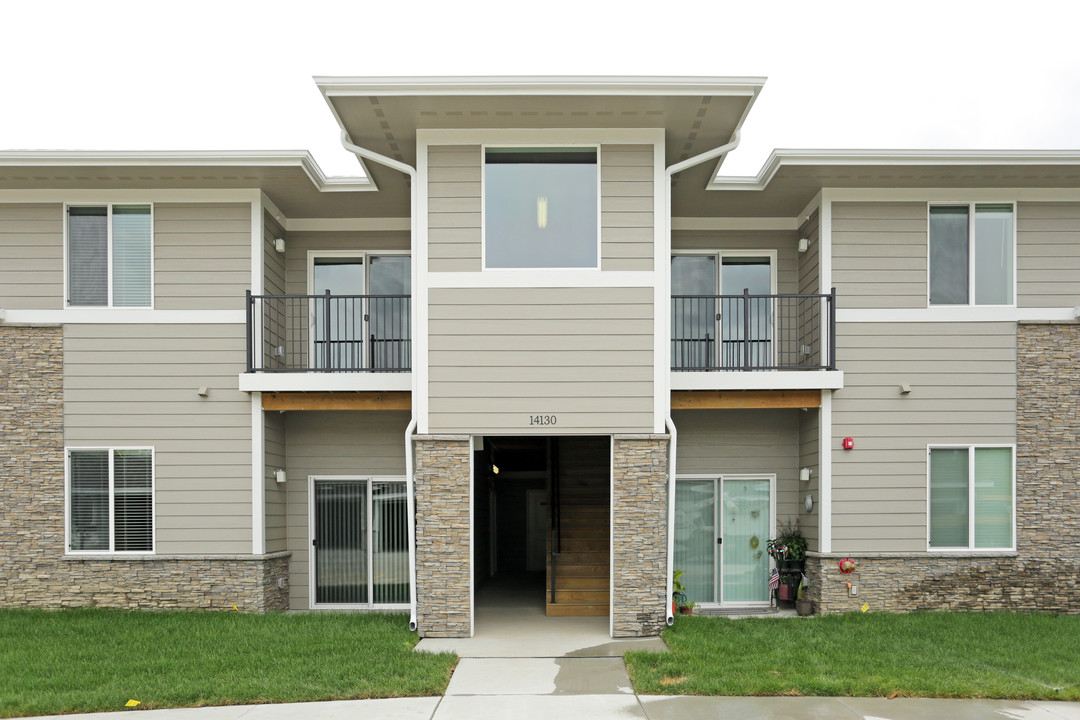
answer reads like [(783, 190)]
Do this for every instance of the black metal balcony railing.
[(329, 333), (753, 332)]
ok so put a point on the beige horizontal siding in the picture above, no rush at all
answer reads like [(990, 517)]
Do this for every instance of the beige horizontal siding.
[(333, 443), (275, 492), (455, 174), (809, 262), (1048, 254), (626, 207), (891, 431), (135, 385), (184, 277), (879, 254), (743, 442), (499, 355), (809, 456), (783, 242), (31, 256)]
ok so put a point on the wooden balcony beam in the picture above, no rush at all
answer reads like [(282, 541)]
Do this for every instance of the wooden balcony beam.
[(337, 401), (744, 399)]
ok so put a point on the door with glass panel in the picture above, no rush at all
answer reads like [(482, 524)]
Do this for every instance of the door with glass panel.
[(359, 550), (721, 528), (731, 332), (364, 324)]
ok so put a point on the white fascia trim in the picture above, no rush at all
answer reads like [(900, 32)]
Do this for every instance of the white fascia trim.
[(765, 380), (258, 477), (561, 136), (781, 157), (346, 86), (187, 158), (825, 470), (966, 313), (325, 382), (734, 223), (348, 224), (126, 316), (539, 278)]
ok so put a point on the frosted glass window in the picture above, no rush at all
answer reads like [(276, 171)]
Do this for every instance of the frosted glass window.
[(111, 500), (971, 498), (541, 208), (110, 254)]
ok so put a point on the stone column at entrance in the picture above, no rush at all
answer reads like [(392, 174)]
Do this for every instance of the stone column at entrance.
[(443, 573), (639, 535)]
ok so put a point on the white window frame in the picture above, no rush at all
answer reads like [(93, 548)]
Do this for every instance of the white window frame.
[(970, 548), (971, 252), (483, 208), (109, 257), (718, 489), (369, 480), (112, 486)]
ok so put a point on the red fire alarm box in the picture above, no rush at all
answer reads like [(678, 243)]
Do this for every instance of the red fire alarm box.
[(849, 443)]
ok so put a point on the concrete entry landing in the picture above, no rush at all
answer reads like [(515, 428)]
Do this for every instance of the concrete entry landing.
[(510, 623)]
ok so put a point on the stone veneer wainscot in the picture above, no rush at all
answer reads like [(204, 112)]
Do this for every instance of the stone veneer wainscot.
[(33, 568), (1044, 572)]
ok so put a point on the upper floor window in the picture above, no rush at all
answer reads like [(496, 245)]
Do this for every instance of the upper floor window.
[(111, 500), (110, 254), (971, 254), (971, 498), (541, 208)]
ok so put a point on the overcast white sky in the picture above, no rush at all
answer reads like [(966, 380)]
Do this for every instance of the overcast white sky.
[(233, 76)]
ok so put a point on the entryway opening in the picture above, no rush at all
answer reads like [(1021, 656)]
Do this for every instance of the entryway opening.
[(542, 508)]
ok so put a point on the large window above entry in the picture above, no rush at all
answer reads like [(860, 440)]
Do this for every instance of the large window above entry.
[(109, 255), (971, 254), (541, 208)]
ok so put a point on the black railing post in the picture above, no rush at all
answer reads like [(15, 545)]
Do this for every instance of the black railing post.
[(250, 324), (746, 328), (832, 329), (326, 331)]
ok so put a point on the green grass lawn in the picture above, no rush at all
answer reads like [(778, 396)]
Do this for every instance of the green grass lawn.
[(920, 655), (87, 660)]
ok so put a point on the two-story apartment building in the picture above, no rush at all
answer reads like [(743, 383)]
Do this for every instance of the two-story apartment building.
[(541, 335)]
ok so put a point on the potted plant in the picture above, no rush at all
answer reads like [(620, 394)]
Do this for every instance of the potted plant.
[(790, 548), (678, 592), (687, 607), (803, 607)]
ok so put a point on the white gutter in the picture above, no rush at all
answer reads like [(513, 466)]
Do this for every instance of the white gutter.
[(668, 422), (410, 496), (410, 509)]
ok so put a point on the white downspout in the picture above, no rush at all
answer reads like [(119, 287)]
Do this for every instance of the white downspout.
[(410, 509), (668, 422), (671, 515), (410, 495)]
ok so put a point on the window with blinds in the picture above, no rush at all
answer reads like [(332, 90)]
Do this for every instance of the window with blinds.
[(360, 549), (971, 498), (111, 500), (110, 254)]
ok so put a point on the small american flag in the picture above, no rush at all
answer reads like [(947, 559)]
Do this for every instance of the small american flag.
[(774, 580)]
